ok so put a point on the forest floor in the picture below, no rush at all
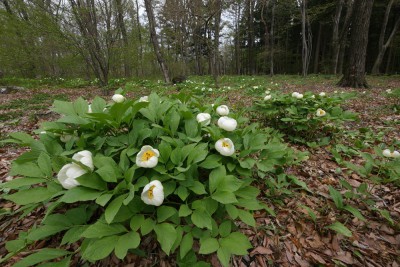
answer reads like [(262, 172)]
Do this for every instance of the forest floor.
[(296, 236)]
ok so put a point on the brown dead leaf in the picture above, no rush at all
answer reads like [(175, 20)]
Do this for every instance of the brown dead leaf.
[(300, 261), (316, 257), (261, 250), (345, 257)]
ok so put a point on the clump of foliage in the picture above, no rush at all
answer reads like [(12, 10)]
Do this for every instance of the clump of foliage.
[(395, 95), (304, 117), (112, 173)]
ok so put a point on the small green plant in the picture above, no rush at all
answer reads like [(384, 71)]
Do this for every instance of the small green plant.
[(304, 117), (113, 173), (395, 95)]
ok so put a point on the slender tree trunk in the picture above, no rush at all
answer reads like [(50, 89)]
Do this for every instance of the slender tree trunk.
[(317, 49), (338, 68), (251, 38), (306, 37), (217, 29), (382, 45), (139, 26), (271, 57), (237, 39), (121, 25), (154, 40), (335, 35), (354, 74), (389, 59), (264, 10)]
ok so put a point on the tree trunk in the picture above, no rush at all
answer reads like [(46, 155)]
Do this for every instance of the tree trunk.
[(250, 37), (264, 10), (121, 25), (338, 68), (317, 49), (354, 74), (154, 40), (383, 46), (237, 39), (335, 36), (217, 29), (306, 37), (271, 58)]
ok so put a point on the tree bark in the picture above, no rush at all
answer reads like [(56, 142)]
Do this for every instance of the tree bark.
[(335, 36), (154, 40), (343, 38), (251, 38), (354, 74), (306, 37), (382, 44), (317, 49), (271, 57), (122, 28)]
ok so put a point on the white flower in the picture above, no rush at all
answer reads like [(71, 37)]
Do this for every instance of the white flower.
[(89, 109), (322, 94), (335, 92), (43, 132), (118, 98), (320, 112), (144, 99), (364, 92), (389, 154), (226, 123), (210, 89), (297, 95), (147, 157), (313, 96), (204, 118), (255, 87), (389, 91), (225, 147), (69, 172), (223, 110), (267, 97), (203, 89), (153, 193), (267, 92)]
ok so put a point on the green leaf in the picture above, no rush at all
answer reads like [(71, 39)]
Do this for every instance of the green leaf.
[(176, 156), (20, 182), (113, 208), (28, 169), (199, 153), (232, 211), (236, 243), (198, 188), (165, 212), (248, 163), (224, 197), (355, 212), (44, 163), (201, 219), (40, 256), (79, 193), (224, 256), (191, 127), (216, 177), (211, 162), (166, 235), (181, 191), (184, 210), (98, 249), (147, 226), (92, 180), (103, 199), (247, 217), (31, 195), (66, 262), (340, 228), (136, 222), (100, 229), (125, 242), (107, 173), (45, 231), (173, 118), (225, 228), (208, 245), (73, 235), (186, 245), (337, 197), (165, 151), (24, 138)]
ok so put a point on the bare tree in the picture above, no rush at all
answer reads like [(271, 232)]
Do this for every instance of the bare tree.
[(382, 44), (335, 35), (306, 37), (154, 40)]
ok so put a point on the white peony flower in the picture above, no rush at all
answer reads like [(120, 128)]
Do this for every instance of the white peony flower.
[(226, 123), (69, 172), (335, 92), (389, 154), (255, 87), (223, 110), (89, 109), (389, 91), (295, 94), (320, 112), (225, 147), (210, 89), (322, 94), (153, 193), (144, 99), (267, 97), (204, 118), (267, 92), (147, 157), (313, 96), (118, 98)]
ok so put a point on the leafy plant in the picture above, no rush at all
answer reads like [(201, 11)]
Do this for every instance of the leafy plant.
[(133, 169), (305, 117)]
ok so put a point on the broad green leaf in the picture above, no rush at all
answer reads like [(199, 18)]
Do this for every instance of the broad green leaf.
[(28, 169), (201, 219), (98, 249), (113, 208), (224, 256), (136, 222), (100, 229), (92, 180), (20, 182), (340, 228), (216, 177), (198, 188), (44, 163), (24, 138), (165, 212), (166, 235), (103, 199), (125, 242), (45, 231), (29, 196), (224, 197), (73, 234), (208, 245), (337, 197), (232, 211), (79, 193), (247, 217), (355, 212), (40, 256), (225, 228), (211, 162), (107, 173), (184, 210), (236, 243), (147, 226), (186, 245), (66, 262)]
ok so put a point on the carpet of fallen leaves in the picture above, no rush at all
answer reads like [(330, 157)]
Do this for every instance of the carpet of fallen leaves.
[(289, 239)]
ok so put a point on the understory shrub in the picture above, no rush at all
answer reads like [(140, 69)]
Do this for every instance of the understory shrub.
[(112, 173), (304, 117)]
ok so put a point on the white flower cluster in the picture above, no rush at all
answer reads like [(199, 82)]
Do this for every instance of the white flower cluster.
[(389, 154)]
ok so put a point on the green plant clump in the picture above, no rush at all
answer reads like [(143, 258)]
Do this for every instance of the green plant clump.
[(111, 174), (304, 117)]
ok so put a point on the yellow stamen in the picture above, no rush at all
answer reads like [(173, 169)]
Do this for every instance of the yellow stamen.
[(150, 194), (147, 155), (225, 144)]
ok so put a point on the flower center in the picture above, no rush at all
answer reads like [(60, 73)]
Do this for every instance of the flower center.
[(147, 155), (225, 144), (150, 194)]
